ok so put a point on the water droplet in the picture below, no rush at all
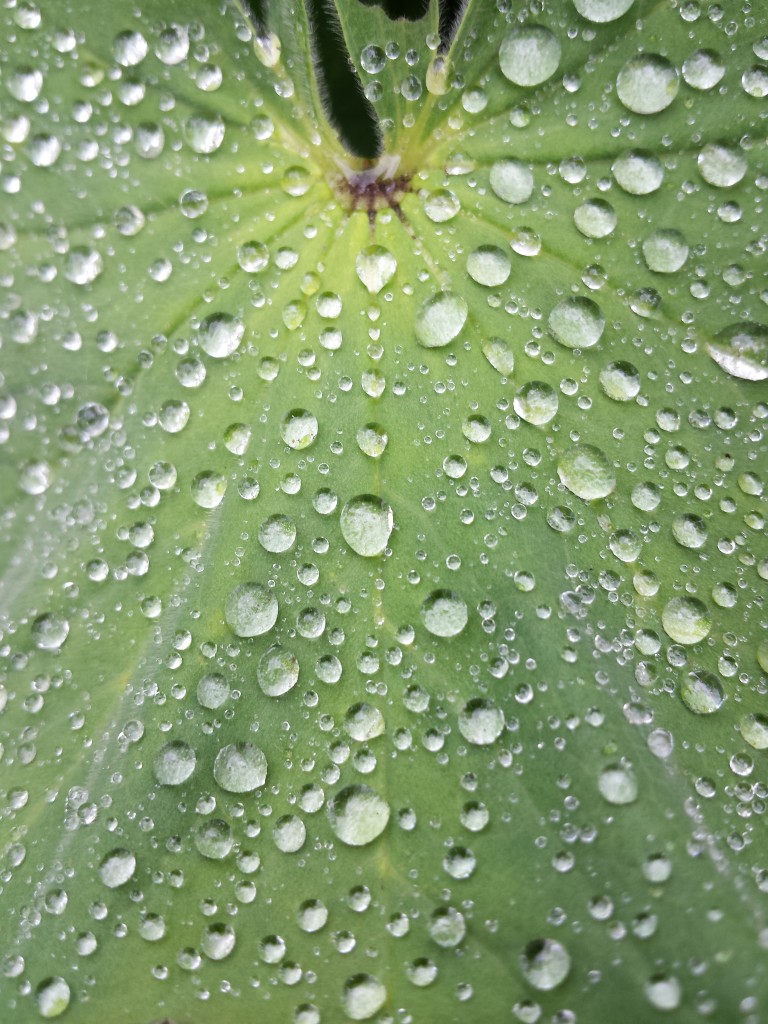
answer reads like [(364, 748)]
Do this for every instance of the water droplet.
[(620, 381), (447, 927), (664, 992), (277, 671), (364, 995), (212, 691), (444, 613), (489, 265), (208, 489), (754, 730), (366, 525), (689, 530), (595, 218), (253, 257), (174, 763), (638, 172), (289, 833), (218, 941), (647, 83), (586, 472), (536, 402), (49, 632), (529, 55), (251, 609), (721, 166), (358, 815), (577, 322), (312, 916), (375, 267), (441, 205), (277, 534), (299, 429), (742, 350), (117, 868), (665, 251), (602, 11), (213, 839), (363, 722), (440, 319), (511, 181), (617, 784), (703, 69), (204, 132), (499, 355), (545, 964), (220, 335), (372, 440), (686, 620), (240, 768), (52, 997), (481, 722)]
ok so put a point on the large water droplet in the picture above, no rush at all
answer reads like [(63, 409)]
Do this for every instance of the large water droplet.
[(686, 620), (440, 319), (529, 55), (602, 11), (617, 784), (702, 693), (545, 964), (240, 768), (375, 267), (444, 613), (49, 632), (665, 251), (364, 996), (638, 172), (577, 322), (218, 941), (536, 402), (358, 815), (251, 609), (489, 265), (117, 868), (299, 429), (277, 671), (512, 181), (647, 84), (721, 166), (52, 997), (586, 472), (366, 524), (174, 763), (742, 350), (220, 335), (481, 722)]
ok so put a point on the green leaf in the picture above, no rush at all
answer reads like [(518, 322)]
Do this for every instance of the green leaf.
[(383, 617)]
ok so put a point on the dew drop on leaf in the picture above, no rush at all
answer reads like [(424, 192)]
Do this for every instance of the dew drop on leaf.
[(363, 997), (586, 472), (174, 763), (529, 55), (366, 525), (240, 767), (617, 784), (647, 84), (686, 620), (512, 181), (577, 322), (299, 429), (545, 964), (52, 997), (742, 350), (117, 868), (251, 609), (481, 722), (375, 267), (444, 613), (440, 319), (358, 815)]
